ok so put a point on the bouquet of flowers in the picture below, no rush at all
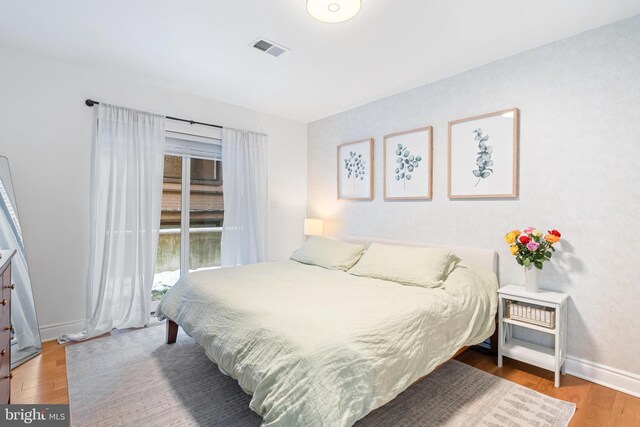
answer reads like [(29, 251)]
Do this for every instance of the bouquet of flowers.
[(530, 247)]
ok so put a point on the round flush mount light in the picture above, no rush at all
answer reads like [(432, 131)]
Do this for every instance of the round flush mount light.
[(333, 11)]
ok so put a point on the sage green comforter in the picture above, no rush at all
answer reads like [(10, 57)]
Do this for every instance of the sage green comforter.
[(317, 347)]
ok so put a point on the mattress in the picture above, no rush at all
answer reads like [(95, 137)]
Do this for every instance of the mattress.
[(317, 347)]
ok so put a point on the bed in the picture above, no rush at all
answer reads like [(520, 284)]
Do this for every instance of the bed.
[(318, 347)]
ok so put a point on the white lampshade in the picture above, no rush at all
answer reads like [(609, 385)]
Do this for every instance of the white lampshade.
[(313, 227), (333, 11)]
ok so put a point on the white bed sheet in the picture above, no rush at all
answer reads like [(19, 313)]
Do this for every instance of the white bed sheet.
[(316, 347)]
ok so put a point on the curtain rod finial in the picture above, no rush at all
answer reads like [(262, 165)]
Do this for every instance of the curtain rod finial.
[(90, 102)]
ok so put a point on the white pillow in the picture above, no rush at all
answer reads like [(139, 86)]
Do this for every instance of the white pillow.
[(328, 253), (425, 267)]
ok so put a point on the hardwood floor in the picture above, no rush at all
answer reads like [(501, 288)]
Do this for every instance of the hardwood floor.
[(44, 380), (596, 405)]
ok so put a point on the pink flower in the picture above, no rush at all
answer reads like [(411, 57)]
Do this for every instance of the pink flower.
[(533, 246), (529, 230)]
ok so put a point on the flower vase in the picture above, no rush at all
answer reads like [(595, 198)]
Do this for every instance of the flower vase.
[(531, 278)]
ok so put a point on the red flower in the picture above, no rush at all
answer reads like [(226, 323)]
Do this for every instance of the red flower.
[(524, 239), (555, 232)]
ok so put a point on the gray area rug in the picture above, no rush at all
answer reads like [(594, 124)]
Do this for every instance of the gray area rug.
[(134, 379)]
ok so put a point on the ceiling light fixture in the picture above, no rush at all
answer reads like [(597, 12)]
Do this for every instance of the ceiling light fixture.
[(333, 11)]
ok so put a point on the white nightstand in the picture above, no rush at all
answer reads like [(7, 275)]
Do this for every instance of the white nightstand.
[(547, 358)]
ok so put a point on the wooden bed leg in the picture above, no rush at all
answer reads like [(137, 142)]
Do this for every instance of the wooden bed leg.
[(494, 338), (172, 331)]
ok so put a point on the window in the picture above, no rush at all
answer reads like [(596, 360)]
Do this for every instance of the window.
[(192, 211)]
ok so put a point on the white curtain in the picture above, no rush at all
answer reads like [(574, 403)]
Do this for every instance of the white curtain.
[(244, 174), (126, 198)]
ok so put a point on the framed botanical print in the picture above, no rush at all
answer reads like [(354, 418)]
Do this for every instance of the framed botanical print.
[(483, 156), (408, 164), (355, 170)]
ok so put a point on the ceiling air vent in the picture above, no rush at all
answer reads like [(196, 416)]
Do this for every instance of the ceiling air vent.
[(269, 47)]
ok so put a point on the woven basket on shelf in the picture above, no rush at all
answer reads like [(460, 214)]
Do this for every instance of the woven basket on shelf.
[(529, 313)]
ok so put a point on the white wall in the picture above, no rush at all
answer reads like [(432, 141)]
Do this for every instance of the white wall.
[(579, 172), (45, 131)]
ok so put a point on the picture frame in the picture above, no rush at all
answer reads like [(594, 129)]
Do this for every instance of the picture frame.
[(408, 164), (355, 170), (483, 156)]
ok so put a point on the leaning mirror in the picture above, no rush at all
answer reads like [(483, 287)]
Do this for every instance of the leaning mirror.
[(25, 337)]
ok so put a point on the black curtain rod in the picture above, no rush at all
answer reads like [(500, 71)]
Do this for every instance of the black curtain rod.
[(91, 103)]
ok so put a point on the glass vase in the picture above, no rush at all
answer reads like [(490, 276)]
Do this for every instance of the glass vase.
[(531, 278)]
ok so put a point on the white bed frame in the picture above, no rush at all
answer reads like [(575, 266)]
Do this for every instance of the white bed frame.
[(482, 258)]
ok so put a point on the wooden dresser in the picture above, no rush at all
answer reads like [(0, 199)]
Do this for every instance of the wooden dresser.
[(5, 325)]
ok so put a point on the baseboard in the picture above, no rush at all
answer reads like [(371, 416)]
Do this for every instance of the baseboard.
[(607, 376), (53, 331)]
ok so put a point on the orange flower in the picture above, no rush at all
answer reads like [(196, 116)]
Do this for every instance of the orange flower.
[(552, 238)]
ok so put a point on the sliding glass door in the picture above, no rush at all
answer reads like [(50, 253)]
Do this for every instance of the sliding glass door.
[(169, 257), (192, 214), (205, 215)]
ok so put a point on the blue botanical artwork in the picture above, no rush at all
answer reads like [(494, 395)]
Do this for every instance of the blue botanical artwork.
[(356, 167), (406, 163), (484, 162), (483, 156)]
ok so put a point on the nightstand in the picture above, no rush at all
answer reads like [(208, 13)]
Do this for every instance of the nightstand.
[(544, 357)]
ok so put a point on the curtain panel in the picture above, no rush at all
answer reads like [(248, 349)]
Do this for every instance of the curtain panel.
[(126, 198), (244, 173)]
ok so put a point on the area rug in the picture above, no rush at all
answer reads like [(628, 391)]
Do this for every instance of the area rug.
[(135, 379)]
